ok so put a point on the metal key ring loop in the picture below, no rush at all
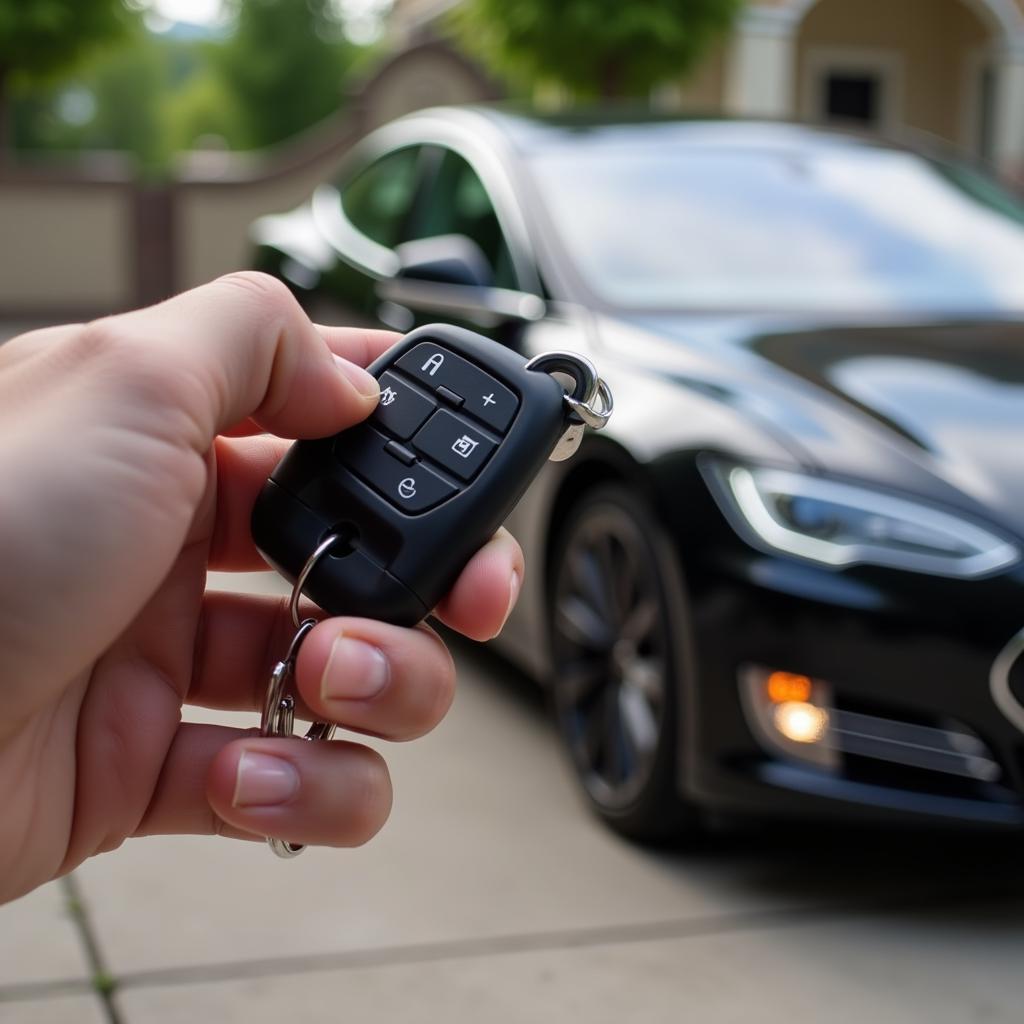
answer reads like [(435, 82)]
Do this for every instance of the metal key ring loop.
[(590, 388), (278, 717), (591, 416), (300, 580)]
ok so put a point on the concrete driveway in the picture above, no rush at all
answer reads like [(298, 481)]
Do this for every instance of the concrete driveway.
[(492, 896)]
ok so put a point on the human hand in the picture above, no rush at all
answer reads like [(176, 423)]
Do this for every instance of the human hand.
[(120, 491)]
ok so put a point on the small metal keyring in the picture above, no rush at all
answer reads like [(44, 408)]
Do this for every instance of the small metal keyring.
[(594, 417), (590, 388), (300, 580), (278, 717), (589, 404)]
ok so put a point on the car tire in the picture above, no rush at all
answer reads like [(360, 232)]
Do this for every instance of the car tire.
[(618, 630)]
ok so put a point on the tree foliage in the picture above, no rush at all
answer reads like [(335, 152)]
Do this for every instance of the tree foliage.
[(606, 48), (117, 99), (41, 36), (284, 66), (276, 68), (45, 36)]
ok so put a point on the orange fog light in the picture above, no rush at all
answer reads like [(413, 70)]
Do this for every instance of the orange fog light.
[(783, 687)]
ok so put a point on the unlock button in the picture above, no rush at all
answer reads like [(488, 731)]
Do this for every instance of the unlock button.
[(462, 383)]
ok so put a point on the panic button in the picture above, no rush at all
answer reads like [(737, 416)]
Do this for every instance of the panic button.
[(401, 409), (482, 396), (455, 444)]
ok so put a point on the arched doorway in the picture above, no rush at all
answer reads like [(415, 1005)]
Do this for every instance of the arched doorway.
[(954, 68), (888, 65)]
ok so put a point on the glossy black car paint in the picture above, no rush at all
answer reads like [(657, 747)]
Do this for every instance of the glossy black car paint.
[(929, 407)]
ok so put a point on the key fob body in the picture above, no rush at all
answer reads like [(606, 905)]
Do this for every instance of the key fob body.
[(461, 430)]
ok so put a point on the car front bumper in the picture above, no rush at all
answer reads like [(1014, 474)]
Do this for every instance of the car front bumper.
[(893, 647)]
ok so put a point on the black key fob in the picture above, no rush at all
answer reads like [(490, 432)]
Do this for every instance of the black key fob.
[(462, 428)]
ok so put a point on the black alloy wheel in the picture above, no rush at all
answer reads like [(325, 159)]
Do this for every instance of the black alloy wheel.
[(617, 662)]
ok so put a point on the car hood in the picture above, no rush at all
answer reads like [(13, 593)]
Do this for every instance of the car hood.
[(931, 408)]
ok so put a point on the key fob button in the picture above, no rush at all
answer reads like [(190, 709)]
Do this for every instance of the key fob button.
[(402, 409), (361, 448), (482, 396), (455, 444), (414, 488), (411, 488)]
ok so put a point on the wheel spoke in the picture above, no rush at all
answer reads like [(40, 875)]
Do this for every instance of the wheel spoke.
[(605, 560), (585, 570), (647, 677), (611, 653), (592, 733), (581, 625), (628, 574), (638, 719)]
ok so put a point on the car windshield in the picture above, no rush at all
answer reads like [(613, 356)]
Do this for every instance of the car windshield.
[(844, 228)]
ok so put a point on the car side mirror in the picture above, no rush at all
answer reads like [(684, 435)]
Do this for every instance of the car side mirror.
[(449, 275), (445, 259)]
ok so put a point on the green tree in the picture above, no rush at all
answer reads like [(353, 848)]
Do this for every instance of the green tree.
[(594, 48), (116, 99), (39, 37), (203, 111), (284, 66)]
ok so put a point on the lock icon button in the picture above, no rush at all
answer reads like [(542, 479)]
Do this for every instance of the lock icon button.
[(433, 364), (461, 385)]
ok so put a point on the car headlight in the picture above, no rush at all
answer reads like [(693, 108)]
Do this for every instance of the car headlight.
[(842, 524)]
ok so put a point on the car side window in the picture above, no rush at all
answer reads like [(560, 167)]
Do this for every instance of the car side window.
[(457, 203), (378, 200)]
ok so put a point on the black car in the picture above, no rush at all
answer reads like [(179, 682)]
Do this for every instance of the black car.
[(787, 578)]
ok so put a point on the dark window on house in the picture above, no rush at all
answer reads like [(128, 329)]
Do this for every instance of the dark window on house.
[(854, 98)]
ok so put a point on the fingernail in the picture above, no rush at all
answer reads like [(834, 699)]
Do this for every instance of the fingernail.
[(365, 383), (355, 670), (513, 593), (264, 781)]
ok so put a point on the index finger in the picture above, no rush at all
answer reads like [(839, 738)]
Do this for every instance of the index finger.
[(356, 345), (241, 347)]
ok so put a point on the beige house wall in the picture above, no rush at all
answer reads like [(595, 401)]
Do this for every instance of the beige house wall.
[(934, 46), (932, 55)]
